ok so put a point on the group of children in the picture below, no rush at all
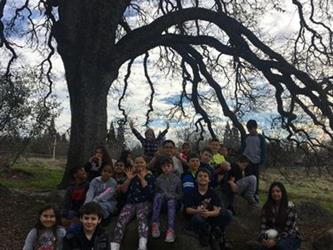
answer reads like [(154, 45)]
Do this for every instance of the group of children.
[(201, 186)]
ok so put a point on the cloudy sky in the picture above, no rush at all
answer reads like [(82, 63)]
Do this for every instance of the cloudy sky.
[(279, 25)]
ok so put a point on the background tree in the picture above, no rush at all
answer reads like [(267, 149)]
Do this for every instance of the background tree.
[(24, 112), (216, 45)]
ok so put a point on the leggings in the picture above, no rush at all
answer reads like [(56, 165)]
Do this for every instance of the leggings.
[(141, 210)]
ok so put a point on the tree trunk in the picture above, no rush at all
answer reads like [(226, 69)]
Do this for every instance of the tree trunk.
[(88, 90)]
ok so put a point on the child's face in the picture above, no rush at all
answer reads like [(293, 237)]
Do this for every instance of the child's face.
[(48, 218), (194, 164), (140, 164), (80, 174), (119, 167), (276, 193), (203, 178), (252, 130), (242, 165), (90, 222), (168, 148), (99, 153), (106, 172), (167, 168), (186, 148), (149, 134), (214, 146), (224, 151), (205, 157)]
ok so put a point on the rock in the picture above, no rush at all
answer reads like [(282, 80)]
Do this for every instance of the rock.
[(184, 239), (252, 245), (325, 241)]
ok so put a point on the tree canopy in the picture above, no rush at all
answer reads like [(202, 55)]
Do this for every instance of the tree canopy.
[(217, 45)]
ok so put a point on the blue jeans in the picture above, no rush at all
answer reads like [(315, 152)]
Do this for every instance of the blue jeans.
[(286, 244), (204, 225)]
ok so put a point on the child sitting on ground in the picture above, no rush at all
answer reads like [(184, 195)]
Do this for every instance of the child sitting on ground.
[(90, 235), (203, 208), (94, 166), (102, 190), (47, 234), (240, 182), (120, 176), (218, 161), (169, 191), (75, 195), (140, 187), (278, 228)]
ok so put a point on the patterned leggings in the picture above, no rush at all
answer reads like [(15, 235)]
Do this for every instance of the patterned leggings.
[(159, 199), (141, 210)]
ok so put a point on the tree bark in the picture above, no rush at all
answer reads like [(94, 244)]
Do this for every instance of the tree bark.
[(88, 89)]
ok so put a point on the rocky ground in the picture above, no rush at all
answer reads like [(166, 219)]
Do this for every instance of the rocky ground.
[(18, 214)]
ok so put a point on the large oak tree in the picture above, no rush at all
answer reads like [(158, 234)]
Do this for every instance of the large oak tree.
[(206, 40)]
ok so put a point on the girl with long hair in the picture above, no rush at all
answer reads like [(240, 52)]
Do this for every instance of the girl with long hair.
[(278, 228), (47, 234)]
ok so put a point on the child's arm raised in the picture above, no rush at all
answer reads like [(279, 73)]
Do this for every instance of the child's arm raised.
[(164, 132), (136, 133)]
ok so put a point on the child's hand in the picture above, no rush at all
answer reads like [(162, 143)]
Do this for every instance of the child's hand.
[(142, 174), (231, 179), (129, 173), (205, 213), (269, 243)]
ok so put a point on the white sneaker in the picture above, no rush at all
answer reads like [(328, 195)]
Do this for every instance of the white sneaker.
[(115, 246), (142, 243)]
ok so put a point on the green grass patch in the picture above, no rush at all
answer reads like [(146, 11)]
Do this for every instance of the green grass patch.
[(300, 187), (33, 175)]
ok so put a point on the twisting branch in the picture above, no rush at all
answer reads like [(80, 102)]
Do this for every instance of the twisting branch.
[(125, 90), (150, 105), (4, 41)]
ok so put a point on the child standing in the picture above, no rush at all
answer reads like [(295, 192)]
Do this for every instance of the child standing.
[(140, 187), (150, 143), (254, 148), (203, 208), (47, 233), (169, 191), (102, 190), (89, 236), (280, 215)]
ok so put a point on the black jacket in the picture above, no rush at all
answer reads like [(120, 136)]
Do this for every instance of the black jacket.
[(78, 241)]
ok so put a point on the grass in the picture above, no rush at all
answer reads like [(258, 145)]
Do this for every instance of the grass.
[(38, 174), (300, 187), (34, 174)]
